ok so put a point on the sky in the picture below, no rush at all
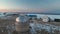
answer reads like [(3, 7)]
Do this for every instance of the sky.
[(36, 5)]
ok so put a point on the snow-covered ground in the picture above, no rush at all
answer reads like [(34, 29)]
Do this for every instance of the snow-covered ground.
[(4, 15), (47, 27)]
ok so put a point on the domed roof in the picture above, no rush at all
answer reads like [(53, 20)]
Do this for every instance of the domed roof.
[(45, 18), (21, 19)]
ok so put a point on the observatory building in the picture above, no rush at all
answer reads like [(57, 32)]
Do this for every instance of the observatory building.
[(45, 19), (22, 24)]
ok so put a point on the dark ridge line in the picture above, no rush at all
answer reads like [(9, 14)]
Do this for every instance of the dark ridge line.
[(35, 13)]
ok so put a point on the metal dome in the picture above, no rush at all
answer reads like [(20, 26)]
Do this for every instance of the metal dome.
[(21, 24), (21, 19)]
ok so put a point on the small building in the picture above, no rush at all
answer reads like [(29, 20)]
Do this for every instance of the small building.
[(32, 18), (57, 20)]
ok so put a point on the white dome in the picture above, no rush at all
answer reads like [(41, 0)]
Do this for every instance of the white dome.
[(45, 18)]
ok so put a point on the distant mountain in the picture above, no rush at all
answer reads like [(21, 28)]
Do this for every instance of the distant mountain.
[(57, 11)]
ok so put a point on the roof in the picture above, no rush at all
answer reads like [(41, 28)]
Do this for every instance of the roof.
[(32, 15)]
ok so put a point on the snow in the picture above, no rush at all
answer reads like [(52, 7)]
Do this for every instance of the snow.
[(47, 27), (51, 16)]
